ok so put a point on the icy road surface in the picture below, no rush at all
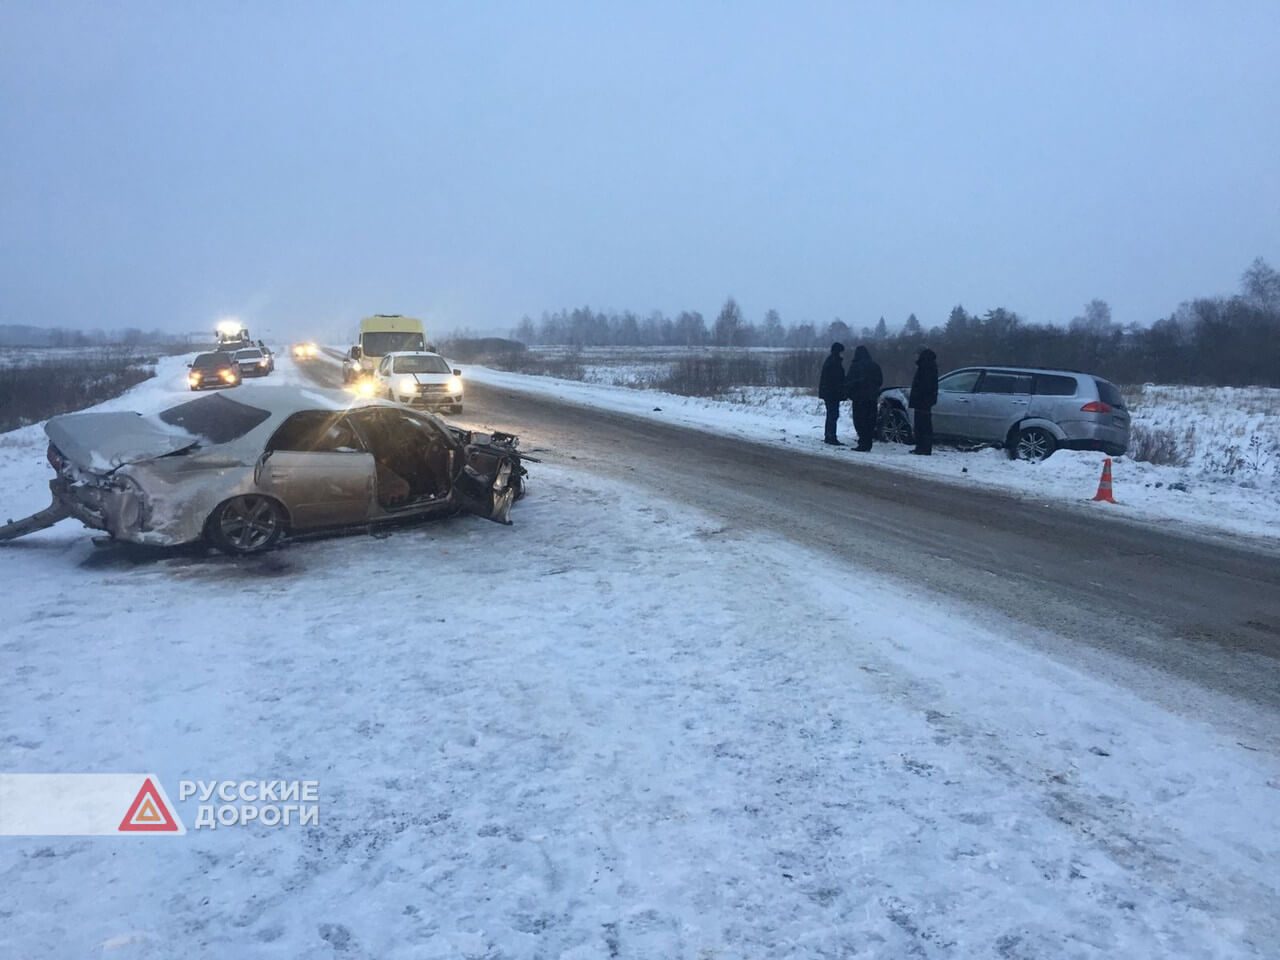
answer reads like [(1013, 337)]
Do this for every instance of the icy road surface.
[(1246, 504), (616, 728)]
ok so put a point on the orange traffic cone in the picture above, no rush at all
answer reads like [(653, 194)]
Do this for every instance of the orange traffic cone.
[(1104, 485)]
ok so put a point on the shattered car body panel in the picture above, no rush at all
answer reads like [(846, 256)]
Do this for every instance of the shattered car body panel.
[(317, 462)]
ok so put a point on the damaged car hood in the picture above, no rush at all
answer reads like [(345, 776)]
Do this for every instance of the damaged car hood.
[(104, 441)]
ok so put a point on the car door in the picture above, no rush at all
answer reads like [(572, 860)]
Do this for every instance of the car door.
[(952, 414), (317, 466), (414, 457), (1001, 399)]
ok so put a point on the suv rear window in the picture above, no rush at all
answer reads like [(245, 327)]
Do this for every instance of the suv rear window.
[(1109, 393), (1052, 385), (215, 418)]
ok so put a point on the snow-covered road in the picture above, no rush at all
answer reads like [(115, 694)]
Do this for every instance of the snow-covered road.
[(1245, 504), (613, 729)]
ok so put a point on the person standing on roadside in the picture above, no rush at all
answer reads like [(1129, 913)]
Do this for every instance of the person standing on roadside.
[(863, 387), (922, 399), (831, 390)]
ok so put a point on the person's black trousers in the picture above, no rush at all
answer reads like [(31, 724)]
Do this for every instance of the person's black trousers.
[(833, 417), (864, 422), (924, 430)]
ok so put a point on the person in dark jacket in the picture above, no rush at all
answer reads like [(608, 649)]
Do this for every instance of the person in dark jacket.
[(923, 398), (831, 390), (863, 387)]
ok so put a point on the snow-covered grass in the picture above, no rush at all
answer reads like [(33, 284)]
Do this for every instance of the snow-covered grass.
[(1228, 432), (613, 729), (1202, 495)]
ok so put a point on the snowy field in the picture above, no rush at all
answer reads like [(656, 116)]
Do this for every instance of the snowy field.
[(38, 356), (1230, 437), (610, 730)]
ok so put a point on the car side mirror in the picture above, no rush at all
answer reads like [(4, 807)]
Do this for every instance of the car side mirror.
[(188, 366), (354, 353), (457, 372)]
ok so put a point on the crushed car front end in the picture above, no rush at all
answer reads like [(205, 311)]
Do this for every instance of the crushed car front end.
[(492, 475)]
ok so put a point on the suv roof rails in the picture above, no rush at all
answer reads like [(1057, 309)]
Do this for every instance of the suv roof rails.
[(1031, 366)]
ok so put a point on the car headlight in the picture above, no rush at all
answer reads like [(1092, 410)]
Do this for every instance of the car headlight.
[(229, 376), (455, 384), (407, 385), (262, 362), (366, 387)]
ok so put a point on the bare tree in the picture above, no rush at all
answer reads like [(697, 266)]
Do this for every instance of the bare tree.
[(728, 328), (1261, 286)]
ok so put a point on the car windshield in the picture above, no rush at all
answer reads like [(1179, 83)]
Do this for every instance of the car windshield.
[(216, 418), (382, 342), (211, 360), (427, 364)]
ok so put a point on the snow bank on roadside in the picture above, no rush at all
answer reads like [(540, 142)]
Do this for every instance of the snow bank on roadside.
[(1197, 498)]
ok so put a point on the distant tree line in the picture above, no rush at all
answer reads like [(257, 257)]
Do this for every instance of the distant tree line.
[(1225, 341), (22, 335)]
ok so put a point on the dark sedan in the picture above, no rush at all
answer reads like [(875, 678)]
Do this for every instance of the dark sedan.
[(214, 370)]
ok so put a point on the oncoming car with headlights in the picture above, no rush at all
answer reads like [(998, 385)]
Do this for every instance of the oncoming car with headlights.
[(241, 475), (419, 379), (253, 361), (213, 370)]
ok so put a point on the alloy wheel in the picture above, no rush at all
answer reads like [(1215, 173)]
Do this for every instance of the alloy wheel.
[(248, 524), (1034, 445)]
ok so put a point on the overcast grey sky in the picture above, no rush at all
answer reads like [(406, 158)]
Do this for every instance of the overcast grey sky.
[(301, 165)]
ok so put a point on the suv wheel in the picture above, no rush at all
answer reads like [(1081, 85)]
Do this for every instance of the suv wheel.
[(1033, 444), (893, 426)]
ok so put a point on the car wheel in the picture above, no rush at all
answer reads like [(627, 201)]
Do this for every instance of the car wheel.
[(244, 525), (894, 427), (1034, 444)]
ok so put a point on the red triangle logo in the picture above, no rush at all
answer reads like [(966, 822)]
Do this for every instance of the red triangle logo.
[(148, 812)]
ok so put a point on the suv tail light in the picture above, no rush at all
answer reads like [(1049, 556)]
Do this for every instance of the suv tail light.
[(1095, 406)]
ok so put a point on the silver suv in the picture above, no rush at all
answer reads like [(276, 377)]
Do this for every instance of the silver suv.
[(1029, 411)]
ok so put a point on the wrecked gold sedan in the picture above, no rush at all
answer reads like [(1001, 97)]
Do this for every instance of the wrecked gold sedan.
[(243, 473)]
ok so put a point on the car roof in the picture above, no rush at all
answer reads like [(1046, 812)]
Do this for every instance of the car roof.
[(1000, 367), (282, 402), (413, 353)]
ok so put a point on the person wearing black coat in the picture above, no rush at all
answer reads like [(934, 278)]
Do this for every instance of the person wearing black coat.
[(862, 386), (923, 398), (831, 390)]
